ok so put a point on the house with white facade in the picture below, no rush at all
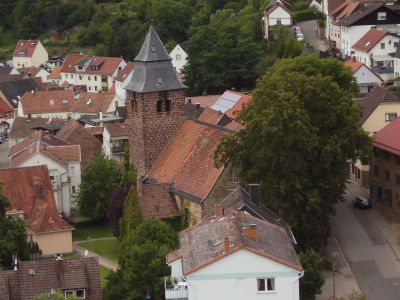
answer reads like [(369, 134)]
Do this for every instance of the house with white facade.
[(97, 73), (328, 8), (366, 78), (62, 160), (179, 57), (47, 104), (234, 255), (376, 49), (317, 4), (123, 78), (29, 53), (278, 12), (396, 63), (115, 139), (370, 15)]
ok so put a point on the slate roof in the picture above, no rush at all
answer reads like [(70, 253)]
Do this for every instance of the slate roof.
[(157, 201), (388, 137), (5, 70), (25, 48), (52, 101), (187, 162), (24, 127), (13, 90), (153, 70), (125, 72), (117, 129), (93, 102), (29, 189), (203, 243), (371, 101), (67, 274), (369, 40)]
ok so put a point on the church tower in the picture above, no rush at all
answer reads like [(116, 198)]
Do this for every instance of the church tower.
[(155, 103)]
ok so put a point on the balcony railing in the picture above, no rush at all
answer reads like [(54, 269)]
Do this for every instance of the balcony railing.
[(383, 70), (175, 289)]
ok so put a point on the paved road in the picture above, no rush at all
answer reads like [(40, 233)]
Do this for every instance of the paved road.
[(309, 29), (370, 246), (4, 148)]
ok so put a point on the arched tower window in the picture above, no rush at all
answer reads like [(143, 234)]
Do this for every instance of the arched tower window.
[(159, 106), (167, 104)]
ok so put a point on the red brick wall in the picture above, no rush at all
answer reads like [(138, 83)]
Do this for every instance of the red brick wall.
[(149, 130)]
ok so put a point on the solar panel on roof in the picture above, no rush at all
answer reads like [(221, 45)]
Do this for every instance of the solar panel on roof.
[(226, 102)]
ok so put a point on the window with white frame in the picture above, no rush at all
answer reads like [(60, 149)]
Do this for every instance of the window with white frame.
[(390, 117), (381, 15), (382, 45), (265, 284), (178, 57)]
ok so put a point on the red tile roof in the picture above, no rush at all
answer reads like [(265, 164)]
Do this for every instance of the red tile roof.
[(69, 63), (369, 40), (210, 116), (333, 5), (353, 64), (388, 138), (52, 101), (25, 48), (125, 72), (29, 189), (108, 65), (187, 162), (93, 102), (55, 73), (117, 129), (244, 99), (30, 71), (204, 101), (24, 127)]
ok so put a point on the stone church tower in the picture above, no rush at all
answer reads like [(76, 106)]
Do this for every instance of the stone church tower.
[(155, 103)]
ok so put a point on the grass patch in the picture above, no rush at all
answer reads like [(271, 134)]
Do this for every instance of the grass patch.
[(106, 248), (103, 275), (84, 232)]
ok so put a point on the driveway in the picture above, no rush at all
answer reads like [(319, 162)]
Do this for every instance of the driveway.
[(370, 246), (309, 29)]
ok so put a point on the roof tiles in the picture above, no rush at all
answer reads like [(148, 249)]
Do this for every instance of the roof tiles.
[(388, 137), (369, 40)]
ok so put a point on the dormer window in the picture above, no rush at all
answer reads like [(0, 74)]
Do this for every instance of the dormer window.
[(382, 16)]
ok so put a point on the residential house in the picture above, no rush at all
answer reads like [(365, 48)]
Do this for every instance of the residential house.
[(24, 127), (35, 72), (380, 107), (73, 276), (97, 73), (29, 53), (385, 168), (55, 75), (94, 104), (115, 139), (166, 147), (353, 27), (62, 160), (365, 77), (234, 255), (31, 198), (122, 79), (317, 4), (328, 8), (47, 104), (278, 12), (179, 57), (375, 50), (74, 134)]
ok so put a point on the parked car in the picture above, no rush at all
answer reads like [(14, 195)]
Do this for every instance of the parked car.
[(362, 203), (298, 33)]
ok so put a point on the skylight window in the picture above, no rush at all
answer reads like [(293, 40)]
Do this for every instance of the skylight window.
[(89, 101), (367, 43), (64, 101)]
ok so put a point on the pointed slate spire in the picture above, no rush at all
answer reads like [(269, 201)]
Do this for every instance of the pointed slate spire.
[(153, 71)]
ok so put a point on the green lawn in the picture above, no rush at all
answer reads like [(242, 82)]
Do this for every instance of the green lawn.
[(85, 232), (106, 248), (103, 274)]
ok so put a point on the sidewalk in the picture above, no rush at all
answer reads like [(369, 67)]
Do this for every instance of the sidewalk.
[(105, 262), (341, 282)]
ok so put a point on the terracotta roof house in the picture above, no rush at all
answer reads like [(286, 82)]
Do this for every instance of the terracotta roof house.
[(55, 75), (97, 73), (74, 134), (24, 127), (12, 91), (278, 12), (365, 77), (32, 72), (93, 104), (29, 53), (47, 104), (31, 196), (384, 166), (234, 242), (78, 276), (115, 139), (123, 78), (231, 103)]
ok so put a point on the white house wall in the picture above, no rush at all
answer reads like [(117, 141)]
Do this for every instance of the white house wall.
[(365, 77), (279, 14), (235, 278), (106, 143), (179, 58), (350, 35)]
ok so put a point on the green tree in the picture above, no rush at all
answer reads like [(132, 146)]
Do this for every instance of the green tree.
[(142, 262), (56, 296), (131, 216), (99, 179), (301, 131), (312, 281)]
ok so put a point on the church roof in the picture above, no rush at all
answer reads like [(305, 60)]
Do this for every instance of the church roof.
[(153, 70)]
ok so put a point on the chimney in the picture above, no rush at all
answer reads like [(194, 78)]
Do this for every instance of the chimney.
[(139, 186), (254, 190), (218, 211), (227, 245), (250, 232)]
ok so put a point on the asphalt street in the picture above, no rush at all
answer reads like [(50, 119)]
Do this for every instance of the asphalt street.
[(372, 259), (309, 29)]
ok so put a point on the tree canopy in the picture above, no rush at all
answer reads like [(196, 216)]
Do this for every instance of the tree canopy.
[(301, 130), (312, 281)]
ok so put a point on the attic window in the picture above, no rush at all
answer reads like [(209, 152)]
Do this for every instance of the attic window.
[(22, 44), (89, 102), (51, 220), (382, 16), (64, 101), (51, 102), (367, 43), (22, 53)]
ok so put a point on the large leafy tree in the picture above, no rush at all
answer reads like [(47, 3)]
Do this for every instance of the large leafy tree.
[(312, 281), (99, 179), (142, 262), (301, 130)]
